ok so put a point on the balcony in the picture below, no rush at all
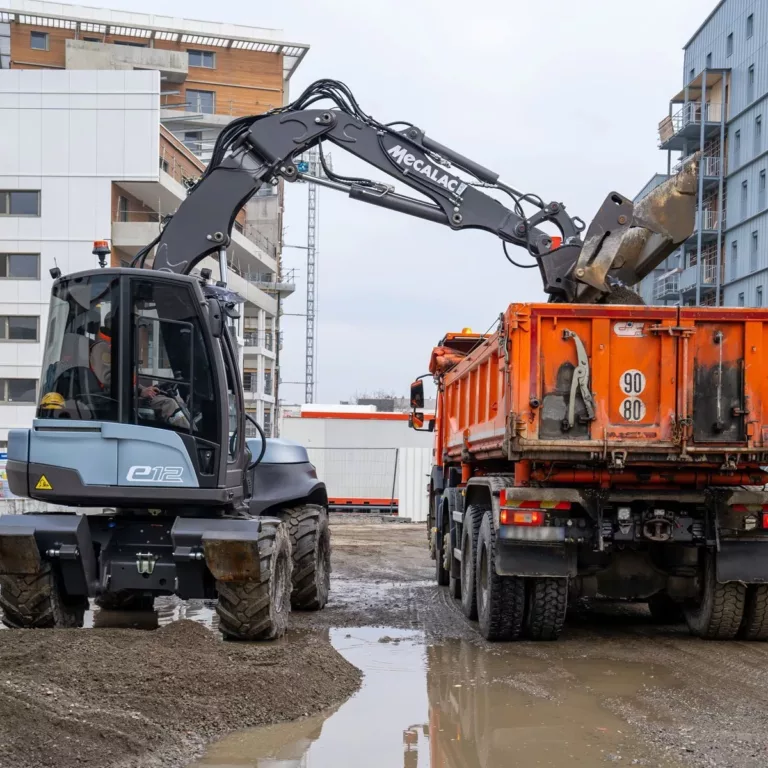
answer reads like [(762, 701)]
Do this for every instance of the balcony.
[(263, 339), (711, 169), (172, 65), (667, 287), (708, 221), (217, 112), (679, 130)]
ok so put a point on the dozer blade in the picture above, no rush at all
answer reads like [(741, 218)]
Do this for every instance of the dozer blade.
[(622, 248)]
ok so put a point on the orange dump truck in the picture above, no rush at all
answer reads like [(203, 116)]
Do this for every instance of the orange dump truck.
[(603, 451)]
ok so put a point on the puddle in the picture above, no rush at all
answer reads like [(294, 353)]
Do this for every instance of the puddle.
[(457, 705)]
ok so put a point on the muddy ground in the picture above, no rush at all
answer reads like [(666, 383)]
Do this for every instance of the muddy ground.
[(119, 698), (705, 705)]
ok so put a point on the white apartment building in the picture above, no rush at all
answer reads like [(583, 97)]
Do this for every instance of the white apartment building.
[(92, 148)]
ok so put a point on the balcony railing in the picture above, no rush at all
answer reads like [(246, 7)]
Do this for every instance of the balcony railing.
[(199, 105), (709, 166), (666, 286), (268, 388), (691, 113), (708, 219), (264, 339)]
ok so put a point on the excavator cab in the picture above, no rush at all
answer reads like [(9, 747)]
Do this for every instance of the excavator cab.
[(139, 390)]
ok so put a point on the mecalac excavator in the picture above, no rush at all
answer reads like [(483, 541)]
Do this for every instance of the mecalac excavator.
[(141, 406)]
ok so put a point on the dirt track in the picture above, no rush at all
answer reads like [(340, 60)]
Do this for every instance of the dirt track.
[(120, 698)]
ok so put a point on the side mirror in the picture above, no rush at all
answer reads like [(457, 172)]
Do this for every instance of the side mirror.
[(416, 420), (417, 395)]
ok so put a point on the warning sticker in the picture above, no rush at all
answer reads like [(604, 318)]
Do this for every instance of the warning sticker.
[(43, 484), (628, 328)]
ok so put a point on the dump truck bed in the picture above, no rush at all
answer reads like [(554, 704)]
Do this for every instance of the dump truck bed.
[(661, 395)]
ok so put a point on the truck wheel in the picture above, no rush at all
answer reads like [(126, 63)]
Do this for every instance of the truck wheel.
[(500, 599), (664, 610), (310, 536), (441, 571), (125, 600), (258, 609), (469, 534), (546, 607), (454, 582), (39, 601), (755, 623), (718, 613)]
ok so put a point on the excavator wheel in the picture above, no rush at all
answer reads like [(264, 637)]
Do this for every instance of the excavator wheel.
[(38, 601), (311, 547), (258, 609), (125, 600)]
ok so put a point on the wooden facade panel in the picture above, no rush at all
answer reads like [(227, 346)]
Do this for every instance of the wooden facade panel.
[(23, 55)]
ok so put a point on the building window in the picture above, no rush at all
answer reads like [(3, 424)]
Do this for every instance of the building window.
[(751, 84), (761, 191), (193, 140), (19, 203), (709, 61), (18, 390), (753, 253), (20, 266), (122, 208), (129, 44), (759, 296), (93, 40), (744, 198), (38, 41), (737, 149), (734, 260), (205, 59), (750, 25), (692, 73), (201, 101), (758, 134), (729, 45), (19, 328), (741, 299)]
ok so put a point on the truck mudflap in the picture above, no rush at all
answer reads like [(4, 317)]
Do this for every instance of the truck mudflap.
[(516, 559), (745, 561), (229, 548), (63, 539)]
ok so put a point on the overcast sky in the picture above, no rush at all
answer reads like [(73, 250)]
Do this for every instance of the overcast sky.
[(561, 98)]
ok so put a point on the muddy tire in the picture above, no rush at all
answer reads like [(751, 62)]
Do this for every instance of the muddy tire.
[(441, 572), (754, 625), (125, 601), (718, 613), (310, 536), (454, 582), (39, 601), (546, 605), (664, 610), (469, 534), (258, 609), (500, 599)]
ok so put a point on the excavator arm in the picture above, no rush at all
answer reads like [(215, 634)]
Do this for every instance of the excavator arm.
[(619, 247)]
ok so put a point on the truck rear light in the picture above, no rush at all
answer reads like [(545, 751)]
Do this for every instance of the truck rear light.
[(521, 517), (509, 501), (765, 519)]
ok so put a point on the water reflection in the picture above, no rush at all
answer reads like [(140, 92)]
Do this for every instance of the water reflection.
[(459, 705)]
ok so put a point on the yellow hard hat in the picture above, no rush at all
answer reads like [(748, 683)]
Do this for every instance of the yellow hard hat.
[(52, 401)]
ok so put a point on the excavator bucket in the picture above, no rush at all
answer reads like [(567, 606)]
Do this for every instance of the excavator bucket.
[(624, 243)]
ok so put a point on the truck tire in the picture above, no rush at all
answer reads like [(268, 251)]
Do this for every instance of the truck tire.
[(310, 536), (38, 601), (755, 623), (454, 582), (500, 599), (258, 609), (718, 613), (469, 534), (125, 600), (546, 605), (441, 572), (664, 610)]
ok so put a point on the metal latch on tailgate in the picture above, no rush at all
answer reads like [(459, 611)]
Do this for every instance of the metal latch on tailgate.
[(580, 381)]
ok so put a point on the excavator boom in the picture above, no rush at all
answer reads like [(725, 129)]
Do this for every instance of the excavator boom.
[(622, 244)]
